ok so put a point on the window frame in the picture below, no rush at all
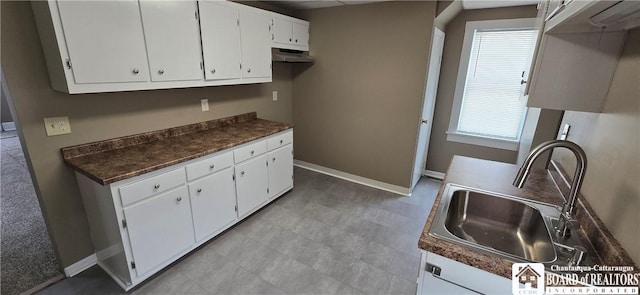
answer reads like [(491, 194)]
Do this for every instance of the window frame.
[(465, 56)]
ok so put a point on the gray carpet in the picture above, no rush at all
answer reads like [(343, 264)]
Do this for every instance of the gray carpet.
[(26, 256)]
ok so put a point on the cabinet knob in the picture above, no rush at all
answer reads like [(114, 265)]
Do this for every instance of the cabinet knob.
[(273, 160), (179, 199), (199, 190), (211, 166), (296, 40), (249, 70), (213, 71), (289, 39), (252, 152), (280, 141), (160, 71), (242, 173), (156, 186), (135, 71), (522, 82)]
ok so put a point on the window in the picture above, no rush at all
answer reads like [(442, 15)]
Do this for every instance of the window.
[(488, 106)]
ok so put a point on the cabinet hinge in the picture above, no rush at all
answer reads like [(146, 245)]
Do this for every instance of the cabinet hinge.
[(240, 66), (68, 63), (236, 208), (434, 269), (267, 163), (196, 14), (233, 177), (238, 21), (124, 223), (267, 190), (201, 65), (133, 265)]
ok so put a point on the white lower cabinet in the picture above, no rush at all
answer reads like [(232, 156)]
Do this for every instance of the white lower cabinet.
[(159, 228), (143, 224), (280, 163), (441, 275), (251, 184), (213, 202)]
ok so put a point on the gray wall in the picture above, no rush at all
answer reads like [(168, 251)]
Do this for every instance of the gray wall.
[(440, 150), (5, 113), (611, 140), (357, 108), (101, 116)]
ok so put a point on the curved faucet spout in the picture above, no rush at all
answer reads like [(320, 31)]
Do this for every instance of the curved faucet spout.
[(581, 168)]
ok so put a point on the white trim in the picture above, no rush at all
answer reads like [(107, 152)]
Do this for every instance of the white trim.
[(434, 174), (80, 265), (512, 145), (469, 32), (8, 126), (405, 191)]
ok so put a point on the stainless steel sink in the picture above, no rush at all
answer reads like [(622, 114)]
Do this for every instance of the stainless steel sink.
[(507, 226)]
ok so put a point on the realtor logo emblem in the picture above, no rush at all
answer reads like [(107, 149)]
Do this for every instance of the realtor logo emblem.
[(527, 278)]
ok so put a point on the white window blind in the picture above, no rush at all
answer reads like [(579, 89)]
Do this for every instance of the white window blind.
[(491, 104)]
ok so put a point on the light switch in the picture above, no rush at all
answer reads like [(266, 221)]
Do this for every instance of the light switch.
[(565, 132), (57, 126), (205, 104)]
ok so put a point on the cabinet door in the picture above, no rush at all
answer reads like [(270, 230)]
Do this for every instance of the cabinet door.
[(105, 41), (251, 184), (301, 34), (213, 201), (280, 170), (281, 31), (220, 31), (159, 228), (256, 43), (173, 40)]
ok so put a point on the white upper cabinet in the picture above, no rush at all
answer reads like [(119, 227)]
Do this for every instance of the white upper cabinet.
[(289, 33), (173, 40), (255, 43), (220, 29), (104, 40)]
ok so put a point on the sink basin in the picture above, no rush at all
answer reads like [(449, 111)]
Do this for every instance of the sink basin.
[(499, 223), (510, 227)]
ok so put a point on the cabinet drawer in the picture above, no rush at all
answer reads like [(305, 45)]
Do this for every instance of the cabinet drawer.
[(208, 166), (137, 191), (250, 151), (280, 140)]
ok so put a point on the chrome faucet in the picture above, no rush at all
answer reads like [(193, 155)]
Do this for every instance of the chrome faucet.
[(566, 217)]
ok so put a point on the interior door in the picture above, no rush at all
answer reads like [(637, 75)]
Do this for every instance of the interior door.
[(173, 40), (428, 106)]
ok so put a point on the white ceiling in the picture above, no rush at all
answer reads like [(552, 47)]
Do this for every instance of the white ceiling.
[(466, 4)]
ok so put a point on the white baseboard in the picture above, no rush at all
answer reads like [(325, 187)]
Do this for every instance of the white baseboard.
[(81, 265), (434, 174), (405, 191), (8, 126)]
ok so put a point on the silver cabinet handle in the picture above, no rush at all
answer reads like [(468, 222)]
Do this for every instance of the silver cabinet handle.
[(213, 71), (160, 71), (199, 190), (211, 166), (135, 71), (156, 186), (179, 199), (242, 173)]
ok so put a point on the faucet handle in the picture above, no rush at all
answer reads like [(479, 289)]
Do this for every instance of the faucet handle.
[(566, 224), (578, 256)]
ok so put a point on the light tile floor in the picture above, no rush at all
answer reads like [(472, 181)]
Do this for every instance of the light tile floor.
[(326, 236)]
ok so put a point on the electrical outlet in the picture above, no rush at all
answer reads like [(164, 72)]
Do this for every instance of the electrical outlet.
[(275, 96), (565, 132), (205, 104), (57, 126)]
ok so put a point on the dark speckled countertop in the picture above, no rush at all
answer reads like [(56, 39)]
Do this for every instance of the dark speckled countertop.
[(121, 158), (540, 186)]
